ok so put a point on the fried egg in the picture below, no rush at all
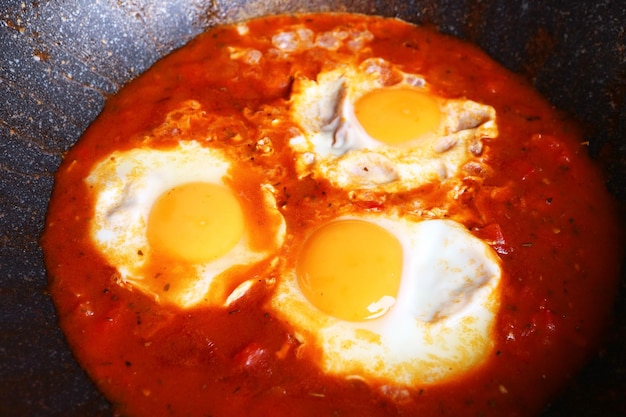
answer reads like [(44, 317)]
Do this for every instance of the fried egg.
[(375, 126), (386, 298), (168, 221)]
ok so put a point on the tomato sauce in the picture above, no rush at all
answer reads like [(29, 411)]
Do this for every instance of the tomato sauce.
[(542, 206)]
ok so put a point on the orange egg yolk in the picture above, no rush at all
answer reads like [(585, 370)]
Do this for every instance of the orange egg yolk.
[(197, 222), (397, 115), (350, 269)]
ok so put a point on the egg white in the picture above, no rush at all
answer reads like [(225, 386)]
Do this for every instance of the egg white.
[(439, 326), (334, 145), (127, 184)]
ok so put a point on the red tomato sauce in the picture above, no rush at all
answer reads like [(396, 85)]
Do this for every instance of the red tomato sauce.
[(542, 206)]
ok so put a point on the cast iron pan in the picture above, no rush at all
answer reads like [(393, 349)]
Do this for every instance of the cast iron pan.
[(60, 60)]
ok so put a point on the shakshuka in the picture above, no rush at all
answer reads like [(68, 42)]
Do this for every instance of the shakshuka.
[(330, 215)]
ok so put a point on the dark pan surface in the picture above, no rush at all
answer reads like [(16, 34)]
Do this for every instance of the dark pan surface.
[(60, 60)]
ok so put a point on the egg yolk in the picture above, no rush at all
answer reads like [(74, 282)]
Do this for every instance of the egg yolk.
[(397, 115), (196, 222), (350, 269)]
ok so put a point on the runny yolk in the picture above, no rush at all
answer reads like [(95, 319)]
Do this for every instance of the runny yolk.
[(197, 222), (397, 115), (350, 269)]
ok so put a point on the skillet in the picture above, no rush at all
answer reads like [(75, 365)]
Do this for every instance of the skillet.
[(60, 60)]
